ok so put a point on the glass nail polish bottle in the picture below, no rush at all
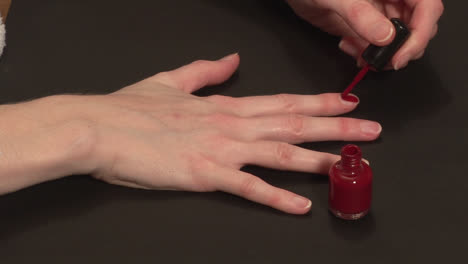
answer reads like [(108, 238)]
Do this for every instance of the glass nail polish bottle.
[(350, 188)]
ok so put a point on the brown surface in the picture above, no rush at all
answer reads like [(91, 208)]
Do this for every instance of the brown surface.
[(4, 6)]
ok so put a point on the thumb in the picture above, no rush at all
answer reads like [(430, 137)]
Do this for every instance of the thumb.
[(365, 19), (198, 74)]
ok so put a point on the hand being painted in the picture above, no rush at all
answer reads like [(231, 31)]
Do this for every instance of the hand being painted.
[(156, 134)]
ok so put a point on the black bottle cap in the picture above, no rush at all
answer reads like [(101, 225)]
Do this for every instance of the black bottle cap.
[(378, 57)]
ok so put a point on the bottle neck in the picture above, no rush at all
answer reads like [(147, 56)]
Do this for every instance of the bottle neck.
[(351, 158)]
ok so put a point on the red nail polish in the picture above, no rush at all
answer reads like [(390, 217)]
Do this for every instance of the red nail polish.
[(350, 98), (350, 188)]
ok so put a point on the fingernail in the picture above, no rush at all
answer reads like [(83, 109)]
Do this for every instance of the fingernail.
[(350, 101), (382, 31), (348, 47), (366, 161), (301, 202), (401, 62), (229, 57), (369, 127)]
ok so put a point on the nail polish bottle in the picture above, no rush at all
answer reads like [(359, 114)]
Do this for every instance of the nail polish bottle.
[(350, 188)]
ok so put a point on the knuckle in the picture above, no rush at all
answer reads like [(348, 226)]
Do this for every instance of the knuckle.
[(176, 116), (196, 163), (295, 125), (200, 63), (356, 10), (216, 138), (327, 104), (440, 7), (216, 98), (166, 79), (344, 125), (217, 141), (249, 186), (222, 119), (286, 101), (162, 77), (197, 166), (284, 153), (220, 99), (275, 199)]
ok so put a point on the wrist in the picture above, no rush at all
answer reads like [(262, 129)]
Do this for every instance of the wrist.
[(43, 140)]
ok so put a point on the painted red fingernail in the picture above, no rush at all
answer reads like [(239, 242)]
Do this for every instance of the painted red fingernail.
[(349, 99)]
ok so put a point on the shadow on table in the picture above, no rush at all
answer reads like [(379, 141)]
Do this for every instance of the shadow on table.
[(74, 197), (63, 200), (353, 230)]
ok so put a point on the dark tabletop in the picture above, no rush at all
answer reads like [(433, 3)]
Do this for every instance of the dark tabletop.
[(419, 212)]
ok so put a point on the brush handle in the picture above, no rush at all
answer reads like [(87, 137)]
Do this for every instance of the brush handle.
[(379, 57)]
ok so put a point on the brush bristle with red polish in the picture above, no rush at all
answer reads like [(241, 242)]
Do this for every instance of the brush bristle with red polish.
[(345, 94)]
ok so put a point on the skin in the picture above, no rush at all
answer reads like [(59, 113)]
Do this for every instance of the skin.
[(156, 135), (360, 22)]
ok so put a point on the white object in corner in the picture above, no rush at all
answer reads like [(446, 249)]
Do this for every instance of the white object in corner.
[(2, 36)]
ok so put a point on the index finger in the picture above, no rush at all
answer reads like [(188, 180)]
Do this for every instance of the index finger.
[(424, 19), (327, 104)]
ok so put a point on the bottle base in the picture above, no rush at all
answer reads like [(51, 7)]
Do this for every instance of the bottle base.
[(345, 216)]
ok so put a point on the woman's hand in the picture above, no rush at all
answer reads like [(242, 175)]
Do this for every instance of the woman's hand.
[(156, 135), (360, 22)]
